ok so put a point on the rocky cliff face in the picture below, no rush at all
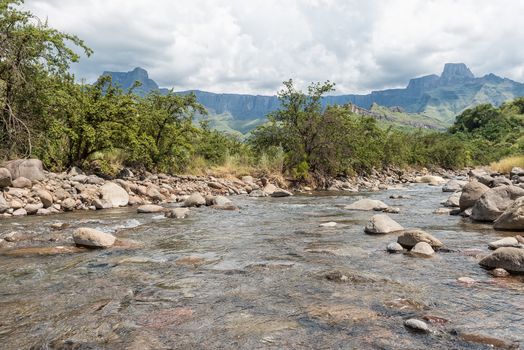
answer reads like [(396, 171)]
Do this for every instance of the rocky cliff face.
[(441, 97)]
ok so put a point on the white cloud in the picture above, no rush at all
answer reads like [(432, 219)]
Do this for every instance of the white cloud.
[(252, 46)]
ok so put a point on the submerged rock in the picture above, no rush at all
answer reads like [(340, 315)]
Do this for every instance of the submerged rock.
[(409, 238), (382, 223), (498, 272), (89, 237), (394, 247), (510, 259), (281, 193), (505, 242), (177, 213), (367, 205)]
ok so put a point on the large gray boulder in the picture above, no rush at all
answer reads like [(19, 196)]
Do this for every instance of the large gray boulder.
[(494, 201), (92, 238), (114, 194), (507, 258), (367, 205), (454, 185), (194, 200), (382, 223), (31, 169), (453, 201), (409, 238), (5, 177), (512, 218), (471, 192)]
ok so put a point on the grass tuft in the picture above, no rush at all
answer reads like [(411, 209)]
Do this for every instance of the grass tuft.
[(506, 164)]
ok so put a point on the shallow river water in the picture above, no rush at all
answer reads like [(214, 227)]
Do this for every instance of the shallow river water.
[(266, 276)]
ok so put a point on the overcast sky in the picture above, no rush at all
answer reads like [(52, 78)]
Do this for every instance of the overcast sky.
[(251, 46)]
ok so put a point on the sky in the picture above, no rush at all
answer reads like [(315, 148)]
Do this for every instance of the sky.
[(252, 46)]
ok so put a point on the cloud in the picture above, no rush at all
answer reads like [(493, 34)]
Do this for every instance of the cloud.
[(252, 46)]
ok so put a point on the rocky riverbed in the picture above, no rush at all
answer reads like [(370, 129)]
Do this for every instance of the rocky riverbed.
[(199, 268)]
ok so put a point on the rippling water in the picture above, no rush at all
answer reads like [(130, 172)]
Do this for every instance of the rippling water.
[(257, 279)]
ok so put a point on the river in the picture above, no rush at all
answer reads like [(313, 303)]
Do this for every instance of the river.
[(266, 276)]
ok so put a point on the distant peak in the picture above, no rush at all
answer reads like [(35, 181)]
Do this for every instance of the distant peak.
[(456, 71)]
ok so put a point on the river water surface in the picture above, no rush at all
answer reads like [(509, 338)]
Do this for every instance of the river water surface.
[(266, 276)]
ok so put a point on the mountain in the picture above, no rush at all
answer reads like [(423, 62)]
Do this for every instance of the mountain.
[(431, 100)]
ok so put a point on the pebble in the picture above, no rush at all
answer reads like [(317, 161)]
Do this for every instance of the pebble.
[(466, 280), (499, 272), (416, 325), (328, 224)]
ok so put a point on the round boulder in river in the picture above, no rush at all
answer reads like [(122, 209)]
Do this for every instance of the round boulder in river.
[(89, 237), (195, 200), (471, 193), (114, 194), (382, 223), (423, 248), (507, 258), (409, 238)]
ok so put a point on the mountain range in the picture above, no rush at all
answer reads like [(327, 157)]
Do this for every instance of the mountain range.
[(430, 101)]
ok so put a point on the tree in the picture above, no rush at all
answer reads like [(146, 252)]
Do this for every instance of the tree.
[(30, 54)]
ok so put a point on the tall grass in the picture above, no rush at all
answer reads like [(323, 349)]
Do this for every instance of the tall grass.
[(506, 164)]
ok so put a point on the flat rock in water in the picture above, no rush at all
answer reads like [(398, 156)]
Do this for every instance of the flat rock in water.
[(366, 204), (328, 224), (382, 223), (89, 237), (422, 248), (507, 258), (281, 193), (177, 213), (416, 325), (409, 238), (512, 218), (442, 211), (505, 242), (222, 201), (149, 209)]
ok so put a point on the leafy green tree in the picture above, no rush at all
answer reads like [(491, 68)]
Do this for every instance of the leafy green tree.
[(30, 53)]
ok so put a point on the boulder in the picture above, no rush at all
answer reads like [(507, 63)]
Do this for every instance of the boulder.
[(382, 223), (507, 258), (269, 188), (33, 208), (248, 179), (454, 186), (43, 212), (195, 200), (177, 213), (477, 173), (423, 248), (501, 181), (494, 201), (45, 197), (149, 209), (221, 200), (486, 180), (258, 193), (409, 238), (92, 238), (100, 203), (31, 169), (4, 205), (516, 171), (430, 179), (512, 218), (5, 177), (21, 182), (453, 201), (153, 193), (68, 204), (505, 242), (366, 204), (471, 192), (281, 193), (115, 194), (20, 212)]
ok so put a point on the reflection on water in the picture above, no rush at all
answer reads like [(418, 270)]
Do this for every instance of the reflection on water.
[(264, 277)]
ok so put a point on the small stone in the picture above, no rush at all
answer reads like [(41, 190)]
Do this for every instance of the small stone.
[(394, 247), (45, 197), (328, 224), (391, 210), (177, 213), (68, 204), (466, 280), (21, 182), (442, 211), (195, 200), (20, 212), (367, 205), (416, 325), (409, 238), (382, 223), (499, 272), (281, 193)]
